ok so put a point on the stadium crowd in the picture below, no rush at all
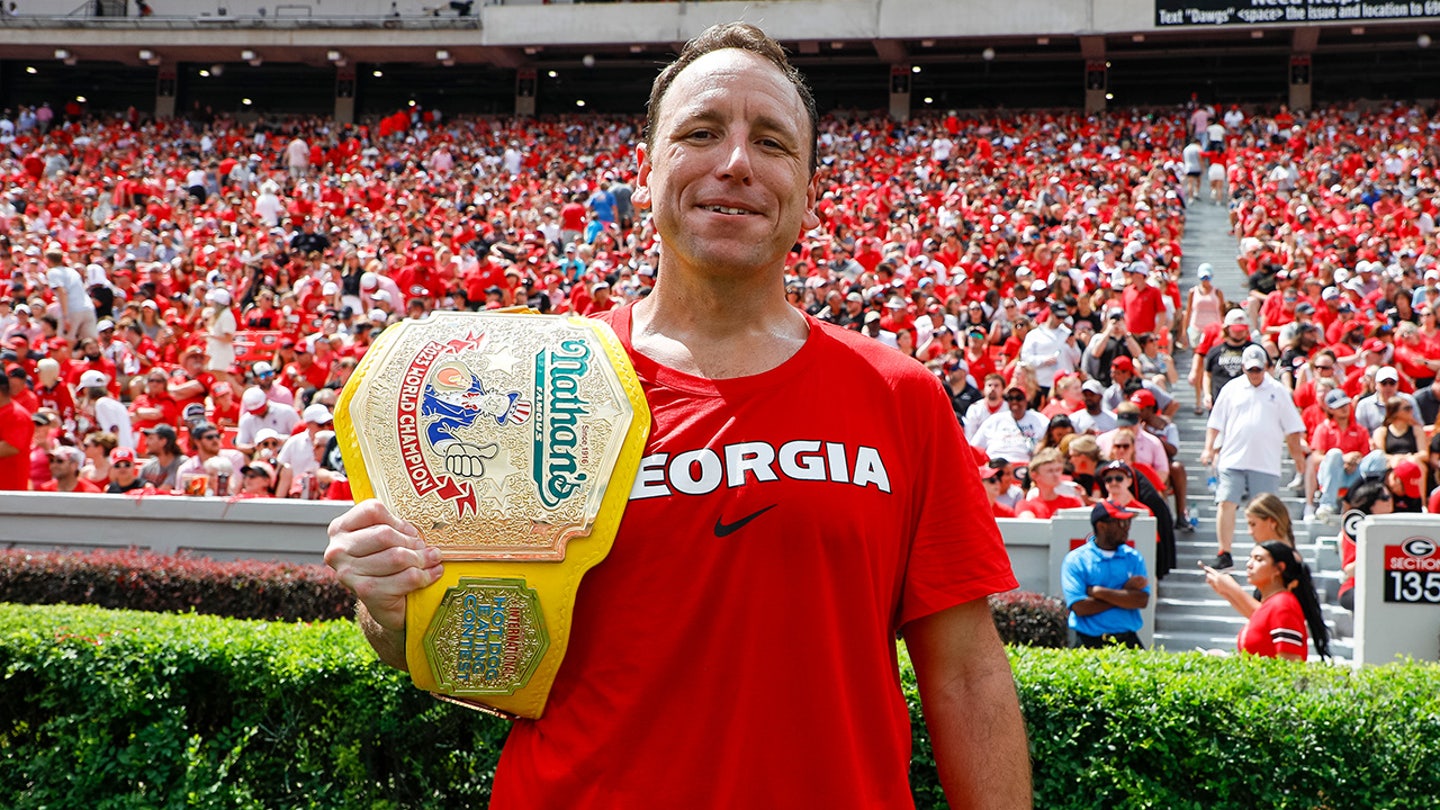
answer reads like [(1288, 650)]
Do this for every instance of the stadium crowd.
[(186, 297)]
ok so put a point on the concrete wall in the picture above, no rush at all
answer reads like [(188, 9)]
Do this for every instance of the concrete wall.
[(294, 531), (278, 530)]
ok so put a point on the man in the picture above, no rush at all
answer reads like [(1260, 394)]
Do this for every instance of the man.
[(1047, 469), (258, 411), (298, 451), (1012, 435), (110, 414), (1370, 409), (727, 170), (1106, 346), (1050, 348), (1338, 445), (65, 464), (1223, 361), (161, 445), (76, 311), (1168, 434), (17, 434), (1248, 417), (1105, 582), (991, 478), (1093, 418), (126, 475), (988, 405), (1126, 382), (205, 438)]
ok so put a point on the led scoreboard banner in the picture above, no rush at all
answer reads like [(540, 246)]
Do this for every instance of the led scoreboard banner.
[(1259, 12), (1412, 572)]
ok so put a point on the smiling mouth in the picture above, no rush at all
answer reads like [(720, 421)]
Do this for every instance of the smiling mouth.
[(727, 210)]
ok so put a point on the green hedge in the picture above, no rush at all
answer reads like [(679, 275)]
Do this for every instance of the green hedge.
[(114, 709)]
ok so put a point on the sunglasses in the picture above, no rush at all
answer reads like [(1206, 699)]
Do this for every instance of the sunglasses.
[(253, 474), (1116, 479), (208, 436), (1014, 398), (1122, 446)]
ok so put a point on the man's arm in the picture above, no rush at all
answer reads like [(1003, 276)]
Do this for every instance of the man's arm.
[(1098, 600), (971, 708), (7, 449)]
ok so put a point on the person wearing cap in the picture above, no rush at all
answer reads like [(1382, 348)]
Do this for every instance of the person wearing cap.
[(65, 462), (1093, 417), (727, 170), (1167, 433), (206, 440), (298, 454), (1143, 303), (257, 480), (124, 472), (1014, 433), (257, 412), (107, 413), (220, 328), (269, 383), (992, 479), (17, 436), (1223, 362), (1126, 381), (164, 457), (1251, 419), (1105, 582), (1370, 409), (76, 311), (1050, 347), (1406, 481)]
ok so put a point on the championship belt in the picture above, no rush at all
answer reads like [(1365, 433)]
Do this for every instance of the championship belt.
[(510, 440)]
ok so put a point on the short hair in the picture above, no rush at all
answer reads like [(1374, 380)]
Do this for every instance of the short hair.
[(744, 37), (1081, 444), (1050, 455)]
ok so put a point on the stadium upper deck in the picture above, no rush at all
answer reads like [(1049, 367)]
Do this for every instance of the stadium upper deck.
[(364, 56)]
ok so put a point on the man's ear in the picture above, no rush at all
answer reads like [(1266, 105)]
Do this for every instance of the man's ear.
[(640, 198)]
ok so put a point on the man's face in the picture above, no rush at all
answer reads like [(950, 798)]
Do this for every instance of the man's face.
[(729, 182), (993, 390), (1017, 402), (125, 472), (1046, 474), (1092, 401), (1110, 534)]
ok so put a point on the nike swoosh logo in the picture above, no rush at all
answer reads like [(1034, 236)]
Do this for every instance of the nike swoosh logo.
[(723, 529)]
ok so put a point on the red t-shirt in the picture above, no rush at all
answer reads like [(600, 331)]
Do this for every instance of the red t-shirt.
[(81, 485), (18, 431), (1277, 626), (1043, 509), (748, 611)]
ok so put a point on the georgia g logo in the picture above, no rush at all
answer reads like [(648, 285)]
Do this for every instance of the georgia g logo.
[(454, 399), (1420, 547)]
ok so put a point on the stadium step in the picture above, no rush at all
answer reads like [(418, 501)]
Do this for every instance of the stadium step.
[(1188, 614)]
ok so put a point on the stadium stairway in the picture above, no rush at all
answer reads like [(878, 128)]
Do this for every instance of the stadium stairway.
[(1188, 614)]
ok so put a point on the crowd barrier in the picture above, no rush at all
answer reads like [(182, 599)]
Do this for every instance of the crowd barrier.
[(1397, 588)]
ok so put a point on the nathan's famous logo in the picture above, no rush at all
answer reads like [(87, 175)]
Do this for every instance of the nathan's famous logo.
[(558, 374), (442, 402)]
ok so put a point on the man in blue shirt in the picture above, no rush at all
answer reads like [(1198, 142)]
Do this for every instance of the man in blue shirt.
[(1105, 582)]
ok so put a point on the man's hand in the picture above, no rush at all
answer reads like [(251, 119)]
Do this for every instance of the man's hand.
[(1206, 457), (1136, 583), (382, 559)]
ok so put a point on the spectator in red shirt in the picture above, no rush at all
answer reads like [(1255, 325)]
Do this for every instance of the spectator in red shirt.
[(17, 434), (1142, 302), (1047, 468), (155, 406), (991, 478)]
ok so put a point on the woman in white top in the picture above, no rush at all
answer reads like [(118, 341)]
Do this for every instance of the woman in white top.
[(220, 334)]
